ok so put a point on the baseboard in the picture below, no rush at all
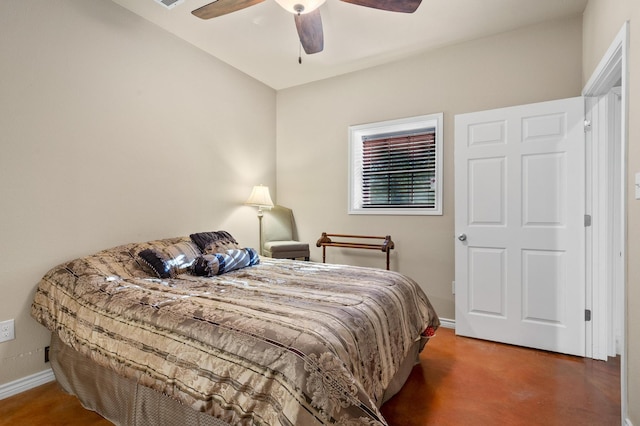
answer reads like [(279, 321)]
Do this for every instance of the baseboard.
[(447, 323), (26, 383), (627, 422)]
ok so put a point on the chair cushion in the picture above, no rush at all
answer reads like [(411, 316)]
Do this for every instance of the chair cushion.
[(286, 249)]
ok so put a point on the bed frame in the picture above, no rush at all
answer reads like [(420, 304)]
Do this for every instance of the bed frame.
[(122, 401)]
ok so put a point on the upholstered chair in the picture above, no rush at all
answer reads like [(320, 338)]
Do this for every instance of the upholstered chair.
[(279, 235)]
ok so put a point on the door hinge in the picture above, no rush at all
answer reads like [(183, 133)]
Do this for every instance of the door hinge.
[(587, 314), (587, 220), (587, 126)]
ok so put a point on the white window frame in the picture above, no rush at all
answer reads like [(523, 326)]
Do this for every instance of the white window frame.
[(356, 135)]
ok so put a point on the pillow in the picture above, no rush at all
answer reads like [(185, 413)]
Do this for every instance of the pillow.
[(209, 265), (167, 262), (215, 242)]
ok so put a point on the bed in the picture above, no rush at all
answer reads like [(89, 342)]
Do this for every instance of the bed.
[(197, 330)]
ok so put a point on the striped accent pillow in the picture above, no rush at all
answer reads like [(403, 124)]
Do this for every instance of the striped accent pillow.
[(168, 262), (209, 265)]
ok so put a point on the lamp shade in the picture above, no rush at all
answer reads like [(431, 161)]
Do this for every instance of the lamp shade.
[(260, 197)]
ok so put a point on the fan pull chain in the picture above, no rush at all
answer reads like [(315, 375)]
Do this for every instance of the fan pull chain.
[(300, 53)]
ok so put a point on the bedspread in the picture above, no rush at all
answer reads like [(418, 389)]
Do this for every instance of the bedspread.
[(279, 343)]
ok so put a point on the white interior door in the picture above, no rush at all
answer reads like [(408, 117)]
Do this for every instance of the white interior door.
[(519, 220)]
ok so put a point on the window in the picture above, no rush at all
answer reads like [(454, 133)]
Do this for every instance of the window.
[(396, 167)]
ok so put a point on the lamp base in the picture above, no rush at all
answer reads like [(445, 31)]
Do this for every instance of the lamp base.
[(260, 214)]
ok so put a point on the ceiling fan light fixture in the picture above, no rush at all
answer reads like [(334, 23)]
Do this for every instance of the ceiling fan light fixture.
[(300, 6)]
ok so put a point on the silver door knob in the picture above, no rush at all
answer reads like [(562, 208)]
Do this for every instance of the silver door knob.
[(462, 237)]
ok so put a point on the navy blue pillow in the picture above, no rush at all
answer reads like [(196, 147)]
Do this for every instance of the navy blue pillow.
[(214, 242)]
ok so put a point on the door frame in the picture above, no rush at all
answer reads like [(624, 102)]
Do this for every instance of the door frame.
[(613, 68)]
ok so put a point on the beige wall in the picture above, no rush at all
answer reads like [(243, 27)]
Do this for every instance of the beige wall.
[(603, 19), (112, 131), (529, 65)]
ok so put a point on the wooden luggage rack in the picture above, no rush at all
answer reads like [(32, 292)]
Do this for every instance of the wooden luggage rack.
[(386, 246)]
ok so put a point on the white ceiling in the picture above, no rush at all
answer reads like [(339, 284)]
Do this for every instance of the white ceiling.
[(262, 40)]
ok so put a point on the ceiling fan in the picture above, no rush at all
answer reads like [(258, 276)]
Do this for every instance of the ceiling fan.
[(306, 14)]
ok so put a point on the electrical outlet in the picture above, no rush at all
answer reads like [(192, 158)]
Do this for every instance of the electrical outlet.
[(7, 330)]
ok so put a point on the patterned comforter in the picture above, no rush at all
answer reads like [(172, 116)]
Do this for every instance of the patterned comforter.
[(279, 343)]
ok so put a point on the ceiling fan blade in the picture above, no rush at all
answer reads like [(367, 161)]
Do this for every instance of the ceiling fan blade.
[(309, 27), (404, 6), (222, 7)]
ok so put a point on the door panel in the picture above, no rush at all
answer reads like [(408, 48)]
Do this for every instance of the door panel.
[(487, 273), (544, 284), (543, 199), (519, 185), (487, 200)]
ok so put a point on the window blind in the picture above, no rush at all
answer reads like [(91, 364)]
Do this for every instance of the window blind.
[(399, 170)]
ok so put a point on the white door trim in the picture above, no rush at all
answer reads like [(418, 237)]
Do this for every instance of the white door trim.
[(604, 188), (613, 68)]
